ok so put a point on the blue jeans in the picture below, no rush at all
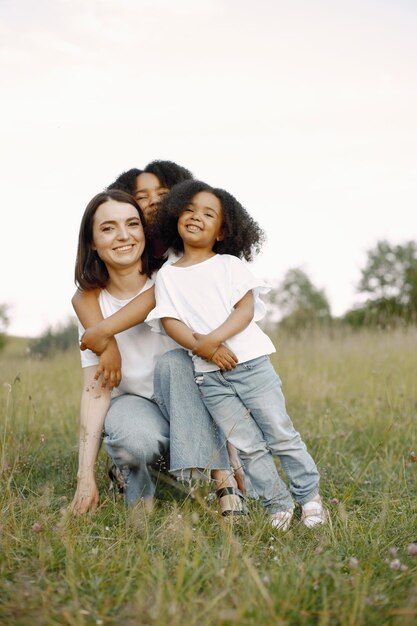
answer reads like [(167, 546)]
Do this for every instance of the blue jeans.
[(249, 407), (136, 434), (138, 430), (195, 441)]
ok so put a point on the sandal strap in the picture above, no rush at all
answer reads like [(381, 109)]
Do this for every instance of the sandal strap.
[(318, 511), (233, 513), (313, 514), (229, 491), (117, 481)]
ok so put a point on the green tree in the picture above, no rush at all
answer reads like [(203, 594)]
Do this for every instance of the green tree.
[(391, 272), (389, 279), (303, 304), (4, 322), (60, 339)]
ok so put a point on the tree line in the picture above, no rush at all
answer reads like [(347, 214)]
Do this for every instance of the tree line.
[(388, 282)]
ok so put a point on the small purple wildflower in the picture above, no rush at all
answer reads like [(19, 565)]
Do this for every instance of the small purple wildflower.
[(412, 549), (353, 563)]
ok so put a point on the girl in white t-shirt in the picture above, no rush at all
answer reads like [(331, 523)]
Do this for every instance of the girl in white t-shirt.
[(208, 298)]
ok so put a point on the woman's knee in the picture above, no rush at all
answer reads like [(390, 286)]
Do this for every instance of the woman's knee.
[(174, 361), (137, 449), (136, 432)]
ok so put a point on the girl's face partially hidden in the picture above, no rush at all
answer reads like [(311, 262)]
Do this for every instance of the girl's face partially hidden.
[(200, 223), (148, 194), (118, 235)]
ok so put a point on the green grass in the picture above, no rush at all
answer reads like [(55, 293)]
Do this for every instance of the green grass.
[(354, 399)]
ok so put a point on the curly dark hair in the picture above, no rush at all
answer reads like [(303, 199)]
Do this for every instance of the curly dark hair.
[(126, 181), (242, 236), (168, 172), (90, 271)]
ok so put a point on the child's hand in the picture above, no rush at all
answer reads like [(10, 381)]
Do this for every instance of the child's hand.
[(224, 358), (205, 347), (94, 339), (110, 366)]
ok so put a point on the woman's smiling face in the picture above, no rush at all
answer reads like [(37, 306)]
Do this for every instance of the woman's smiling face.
[(118, 236)]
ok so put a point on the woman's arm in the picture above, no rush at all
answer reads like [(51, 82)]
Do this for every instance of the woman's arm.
[(95, 402), (135, 312), (241, 316), (88, 311)]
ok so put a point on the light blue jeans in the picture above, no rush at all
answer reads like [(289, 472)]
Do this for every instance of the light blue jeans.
[(248, 405), (136, 435), (138, 430), (195, 440)]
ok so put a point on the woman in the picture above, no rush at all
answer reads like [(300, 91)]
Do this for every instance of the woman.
[(113, 260), (148, 187)]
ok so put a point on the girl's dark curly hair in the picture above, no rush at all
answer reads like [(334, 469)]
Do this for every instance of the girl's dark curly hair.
[(168, 172), (126, 181), (242, 236), (90, 271)]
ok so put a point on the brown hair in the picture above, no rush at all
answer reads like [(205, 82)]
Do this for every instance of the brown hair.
[(90, 271)]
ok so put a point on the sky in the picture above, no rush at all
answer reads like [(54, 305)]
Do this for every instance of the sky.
[(305, 111)]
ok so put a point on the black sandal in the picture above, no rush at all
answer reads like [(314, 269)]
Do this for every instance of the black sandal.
[(232, 511), (117, 480)]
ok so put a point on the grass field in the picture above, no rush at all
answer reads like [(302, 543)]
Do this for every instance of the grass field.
[(354, 399)]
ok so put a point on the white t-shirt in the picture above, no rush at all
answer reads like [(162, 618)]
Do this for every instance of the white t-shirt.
[(203, 296), (139, 347)]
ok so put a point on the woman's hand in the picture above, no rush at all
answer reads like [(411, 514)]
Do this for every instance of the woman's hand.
[(110, 366), (224, 358), (95, 339), (86, 497)]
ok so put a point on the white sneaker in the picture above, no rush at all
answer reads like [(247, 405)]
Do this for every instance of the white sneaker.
[(314, 513), (282, 519)]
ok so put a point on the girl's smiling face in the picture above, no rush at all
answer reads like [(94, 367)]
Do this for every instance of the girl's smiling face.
[(118, 236), (149, 193), (200, 222)]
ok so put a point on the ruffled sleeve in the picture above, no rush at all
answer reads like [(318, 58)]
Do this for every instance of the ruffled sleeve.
[(164, 305), (242, 281)]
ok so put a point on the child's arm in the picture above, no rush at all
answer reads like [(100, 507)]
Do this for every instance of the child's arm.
[(241, 316), (135, 312), (86, 306), (94, 406), (177, 330), (88, 311)]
